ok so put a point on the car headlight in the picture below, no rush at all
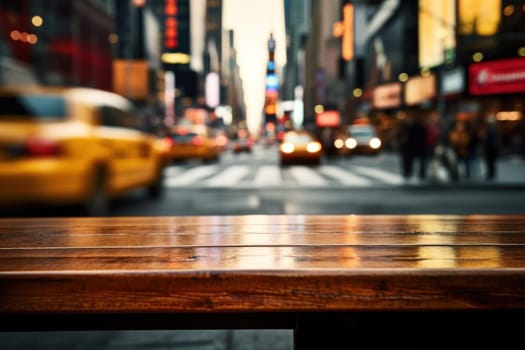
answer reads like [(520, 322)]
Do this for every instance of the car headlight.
[(287, 147), (313, 147), (338, 143), (375, 143), (351, 143)]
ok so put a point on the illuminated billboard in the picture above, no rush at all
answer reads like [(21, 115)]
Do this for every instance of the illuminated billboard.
[(479, 17), (437, 41), (420, 89), (328, 119), (387, 96), (497, 77), (453, 81)]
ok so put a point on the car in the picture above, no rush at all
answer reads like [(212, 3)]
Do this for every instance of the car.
[(221, 140), (242, 144), (187, 143), (300, 146), (359, 139), (74, 146)]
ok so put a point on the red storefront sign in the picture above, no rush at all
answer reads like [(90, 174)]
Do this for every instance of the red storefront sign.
[(497, 77), (328, 119)]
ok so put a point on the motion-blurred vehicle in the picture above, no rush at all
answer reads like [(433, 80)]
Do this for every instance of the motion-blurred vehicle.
[(74, 146), (187, 143), (359, 139), (299, 146), (221, 140), (242, 144)]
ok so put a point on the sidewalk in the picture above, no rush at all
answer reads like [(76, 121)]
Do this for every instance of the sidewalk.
[(510, 174), (510, 170)]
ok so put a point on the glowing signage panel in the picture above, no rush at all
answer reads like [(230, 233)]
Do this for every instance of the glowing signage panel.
[(420, 89), (387, 96), (497, 77), (437, 20)]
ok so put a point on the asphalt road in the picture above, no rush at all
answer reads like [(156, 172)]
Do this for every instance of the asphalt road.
[(412, 200), (254, 184)]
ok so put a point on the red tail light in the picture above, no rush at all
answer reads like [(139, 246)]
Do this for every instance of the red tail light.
[(168, 141), (197, 141), (38, 147), (221, 141)]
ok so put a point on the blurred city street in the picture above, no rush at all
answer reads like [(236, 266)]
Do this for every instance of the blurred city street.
[(128, 108), (254, 183)]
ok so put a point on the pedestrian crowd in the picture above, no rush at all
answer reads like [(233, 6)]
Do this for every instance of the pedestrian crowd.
[(465, 149)]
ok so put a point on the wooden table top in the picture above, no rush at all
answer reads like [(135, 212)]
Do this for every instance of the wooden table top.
[(262, 263)]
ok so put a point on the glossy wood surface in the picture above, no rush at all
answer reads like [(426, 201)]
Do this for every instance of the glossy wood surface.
[(262, 263)]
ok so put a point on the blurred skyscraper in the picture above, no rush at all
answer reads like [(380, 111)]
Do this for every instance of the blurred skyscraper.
[(56, 42)]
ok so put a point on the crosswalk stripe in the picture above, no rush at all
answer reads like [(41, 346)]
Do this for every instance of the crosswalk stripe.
[(384, 176), (273, 176), (172, 171), (191, 176), (345, 177), (268, 175), (229, 177), (306, 176)]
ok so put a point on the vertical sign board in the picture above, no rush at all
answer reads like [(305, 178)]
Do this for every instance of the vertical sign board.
[(212, 89), (347, 41), (177, 26), (171, 37)]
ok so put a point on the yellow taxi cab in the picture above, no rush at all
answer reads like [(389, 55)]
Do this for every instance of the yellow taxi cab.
[(77, 146), (192, 142), (360, 139), (300, 146)]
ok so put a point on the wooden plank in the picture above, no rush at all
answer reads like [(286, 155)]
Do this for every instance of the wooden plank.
[(261, 258), (258, 231), (44, 239), (265, 224), (262, 264), (259, 291)]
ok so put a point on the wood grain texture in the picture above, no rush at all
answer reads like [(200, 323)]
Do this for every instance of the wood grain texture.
[(262, 264)]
